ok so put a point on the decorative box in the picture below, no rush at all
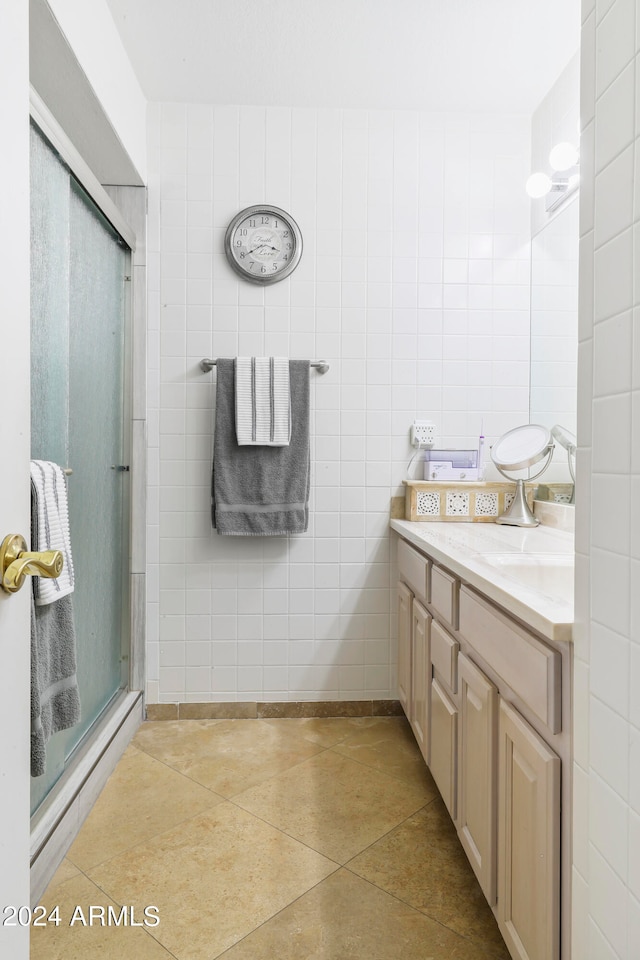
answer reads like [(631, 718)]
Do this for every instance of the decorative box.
[(471, 501)]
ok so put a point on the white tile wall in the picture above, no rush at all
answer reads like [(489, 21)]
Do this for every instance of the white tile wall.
[(414, 285), (607, 676)]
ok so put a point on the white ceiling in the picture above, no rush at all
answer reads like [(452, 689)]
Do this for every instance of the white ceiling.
[(476, 55)]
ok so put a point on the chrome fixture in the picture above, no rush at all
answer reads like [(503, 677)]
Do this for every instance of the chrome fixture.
[(567, 440), (519, 449), (320, 365)]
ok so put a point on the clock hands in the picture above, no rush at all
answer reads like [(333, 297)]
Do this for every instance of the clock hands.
[(262, 247)]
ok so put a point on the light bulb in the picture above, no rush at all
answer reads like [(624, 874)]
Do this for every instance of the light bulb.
[(563, 156), (538, 185)]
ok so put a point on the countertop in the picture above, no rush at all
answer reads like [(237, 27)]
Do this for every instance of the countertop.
[(526, 571)]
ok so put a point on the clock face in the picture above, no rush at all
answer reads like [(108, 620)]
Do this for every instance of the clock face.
[(263, 244)]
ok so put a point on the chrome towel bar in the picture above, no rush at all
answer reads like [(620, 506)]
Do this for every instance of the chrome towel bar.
[(320, 365)]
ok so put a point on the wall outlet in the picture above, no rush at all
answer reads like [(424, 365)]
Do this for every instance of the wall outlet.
[(423, 433)]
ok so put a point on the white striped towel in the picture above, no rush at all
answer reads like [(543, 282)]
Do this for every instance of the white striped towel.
[(50, 527), (263, 401)]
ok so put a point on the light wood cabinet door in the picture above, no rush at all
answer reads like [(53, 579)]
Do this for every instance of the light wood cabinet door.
[(528, 840), (405, 615), (444, 745), (477, 725), (420, 677)]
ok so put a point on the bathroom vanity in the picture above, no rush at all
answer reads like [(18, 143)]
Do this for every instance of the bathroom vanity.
[(484, 677)]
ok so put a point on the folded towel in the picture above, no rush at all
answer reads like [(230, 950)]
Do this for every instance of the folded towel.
[(263, 401), (260, 491), (50, 527), (55, 700)]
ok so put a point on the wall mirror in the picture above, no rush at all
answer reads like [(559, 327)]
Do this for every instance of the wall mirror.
[(554, 338)]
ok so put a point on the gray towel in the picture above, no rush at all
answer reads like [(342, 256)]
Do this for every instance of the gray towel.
[(260, 491), (55, 701)]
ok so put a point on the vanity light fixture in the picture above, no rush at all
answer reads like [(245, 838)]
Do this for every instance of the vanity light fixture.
[(563, 156), (564, 160)]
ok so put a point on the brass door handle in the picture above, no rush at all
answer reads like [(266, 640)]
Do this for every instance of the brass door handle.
[(16, 563)]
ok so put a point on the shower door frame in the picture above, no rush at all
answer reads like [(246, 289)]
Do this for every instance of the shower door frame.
[(57, 820)]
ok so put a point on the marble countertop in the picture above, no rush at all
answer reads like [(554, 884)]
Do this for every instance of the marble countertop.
[(527, 571)]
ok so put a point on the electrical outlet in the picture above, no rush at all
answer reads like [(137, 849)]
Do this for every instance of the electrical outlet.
[(423, 433)]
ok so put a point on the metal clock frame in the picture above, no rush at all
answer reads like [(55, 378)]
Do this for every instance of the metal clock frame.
[(261, 209)]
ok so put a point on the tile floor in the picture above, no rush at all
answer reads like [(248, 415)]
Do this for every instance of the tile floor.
[(269, 840)]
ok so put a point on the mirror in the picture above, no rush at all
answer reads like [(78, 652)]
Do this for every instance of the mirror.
[(554, 337), (519, 449)]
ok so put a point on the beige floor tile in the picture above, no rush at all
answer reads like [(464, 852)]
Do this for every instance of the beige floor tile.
[(422, 863), (96, 940), (387, 745), (325, 731), (214, 878), (142, 798), (65, 872), (227, 756), (335, 805), (346, 918)]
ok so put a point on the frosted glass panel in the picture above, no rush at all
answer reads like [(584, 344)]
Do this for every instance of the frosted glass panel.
[(77, 347), (49, 303), (96, 331)]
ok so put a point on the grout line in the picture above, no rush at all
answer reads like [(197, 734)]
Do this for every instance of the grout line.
[(480, 946), (278, 912), (117, 903)]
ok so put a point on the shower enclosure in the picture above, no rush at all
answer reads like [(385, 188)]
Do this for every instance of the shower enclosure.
[(78, 270), (82, 351)]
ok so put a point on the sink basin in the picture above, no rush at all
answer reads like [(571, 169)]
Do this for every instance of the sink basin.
[(551, 574)]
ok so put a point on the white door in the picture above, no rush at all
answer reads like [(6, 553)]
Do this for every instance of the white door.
[(14, 471)]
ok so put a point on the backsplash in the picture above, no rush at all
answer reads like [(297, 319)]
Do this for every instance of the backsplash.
[(414, 284)]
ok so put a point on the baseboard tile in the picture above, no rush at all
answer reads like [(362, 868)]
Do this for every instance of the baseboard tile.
[(235, 710)]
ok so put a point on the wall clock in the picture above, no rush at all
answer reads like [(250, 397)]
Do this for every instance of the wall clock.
[(263, 244)]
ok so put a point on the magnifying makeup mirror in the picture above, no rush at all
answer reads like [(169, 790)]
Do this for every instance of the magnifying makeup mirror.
[(519, 449), (567, 440)]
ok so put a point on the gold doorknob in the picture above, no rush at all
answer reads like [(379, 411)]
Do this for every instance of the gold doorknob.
[(16, 563)]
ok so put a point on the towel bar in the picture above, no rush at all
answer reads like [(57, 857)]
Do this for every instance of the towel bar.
[(320, 365)]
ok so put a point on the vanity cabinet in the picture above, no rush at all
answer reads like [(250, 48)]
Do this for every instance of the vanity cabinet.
[(483, 695), (405, 613), (420, 685), (477, 773), (444, 745), (444, 714), (528, 840), (414, 691)]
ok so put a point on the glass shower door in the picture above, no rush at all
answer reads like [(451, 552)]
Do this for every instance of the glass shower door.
[(78, 310)]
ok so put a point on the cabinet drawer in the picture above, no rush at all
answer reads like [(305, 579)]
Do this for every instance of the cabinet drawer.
[(526, 664), (444, 656), (444, 595), (413, 568)]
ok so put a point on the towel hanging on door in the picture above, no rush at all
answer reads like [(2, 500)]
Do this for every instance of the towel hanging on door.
[(50, 528), (55, 698)]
